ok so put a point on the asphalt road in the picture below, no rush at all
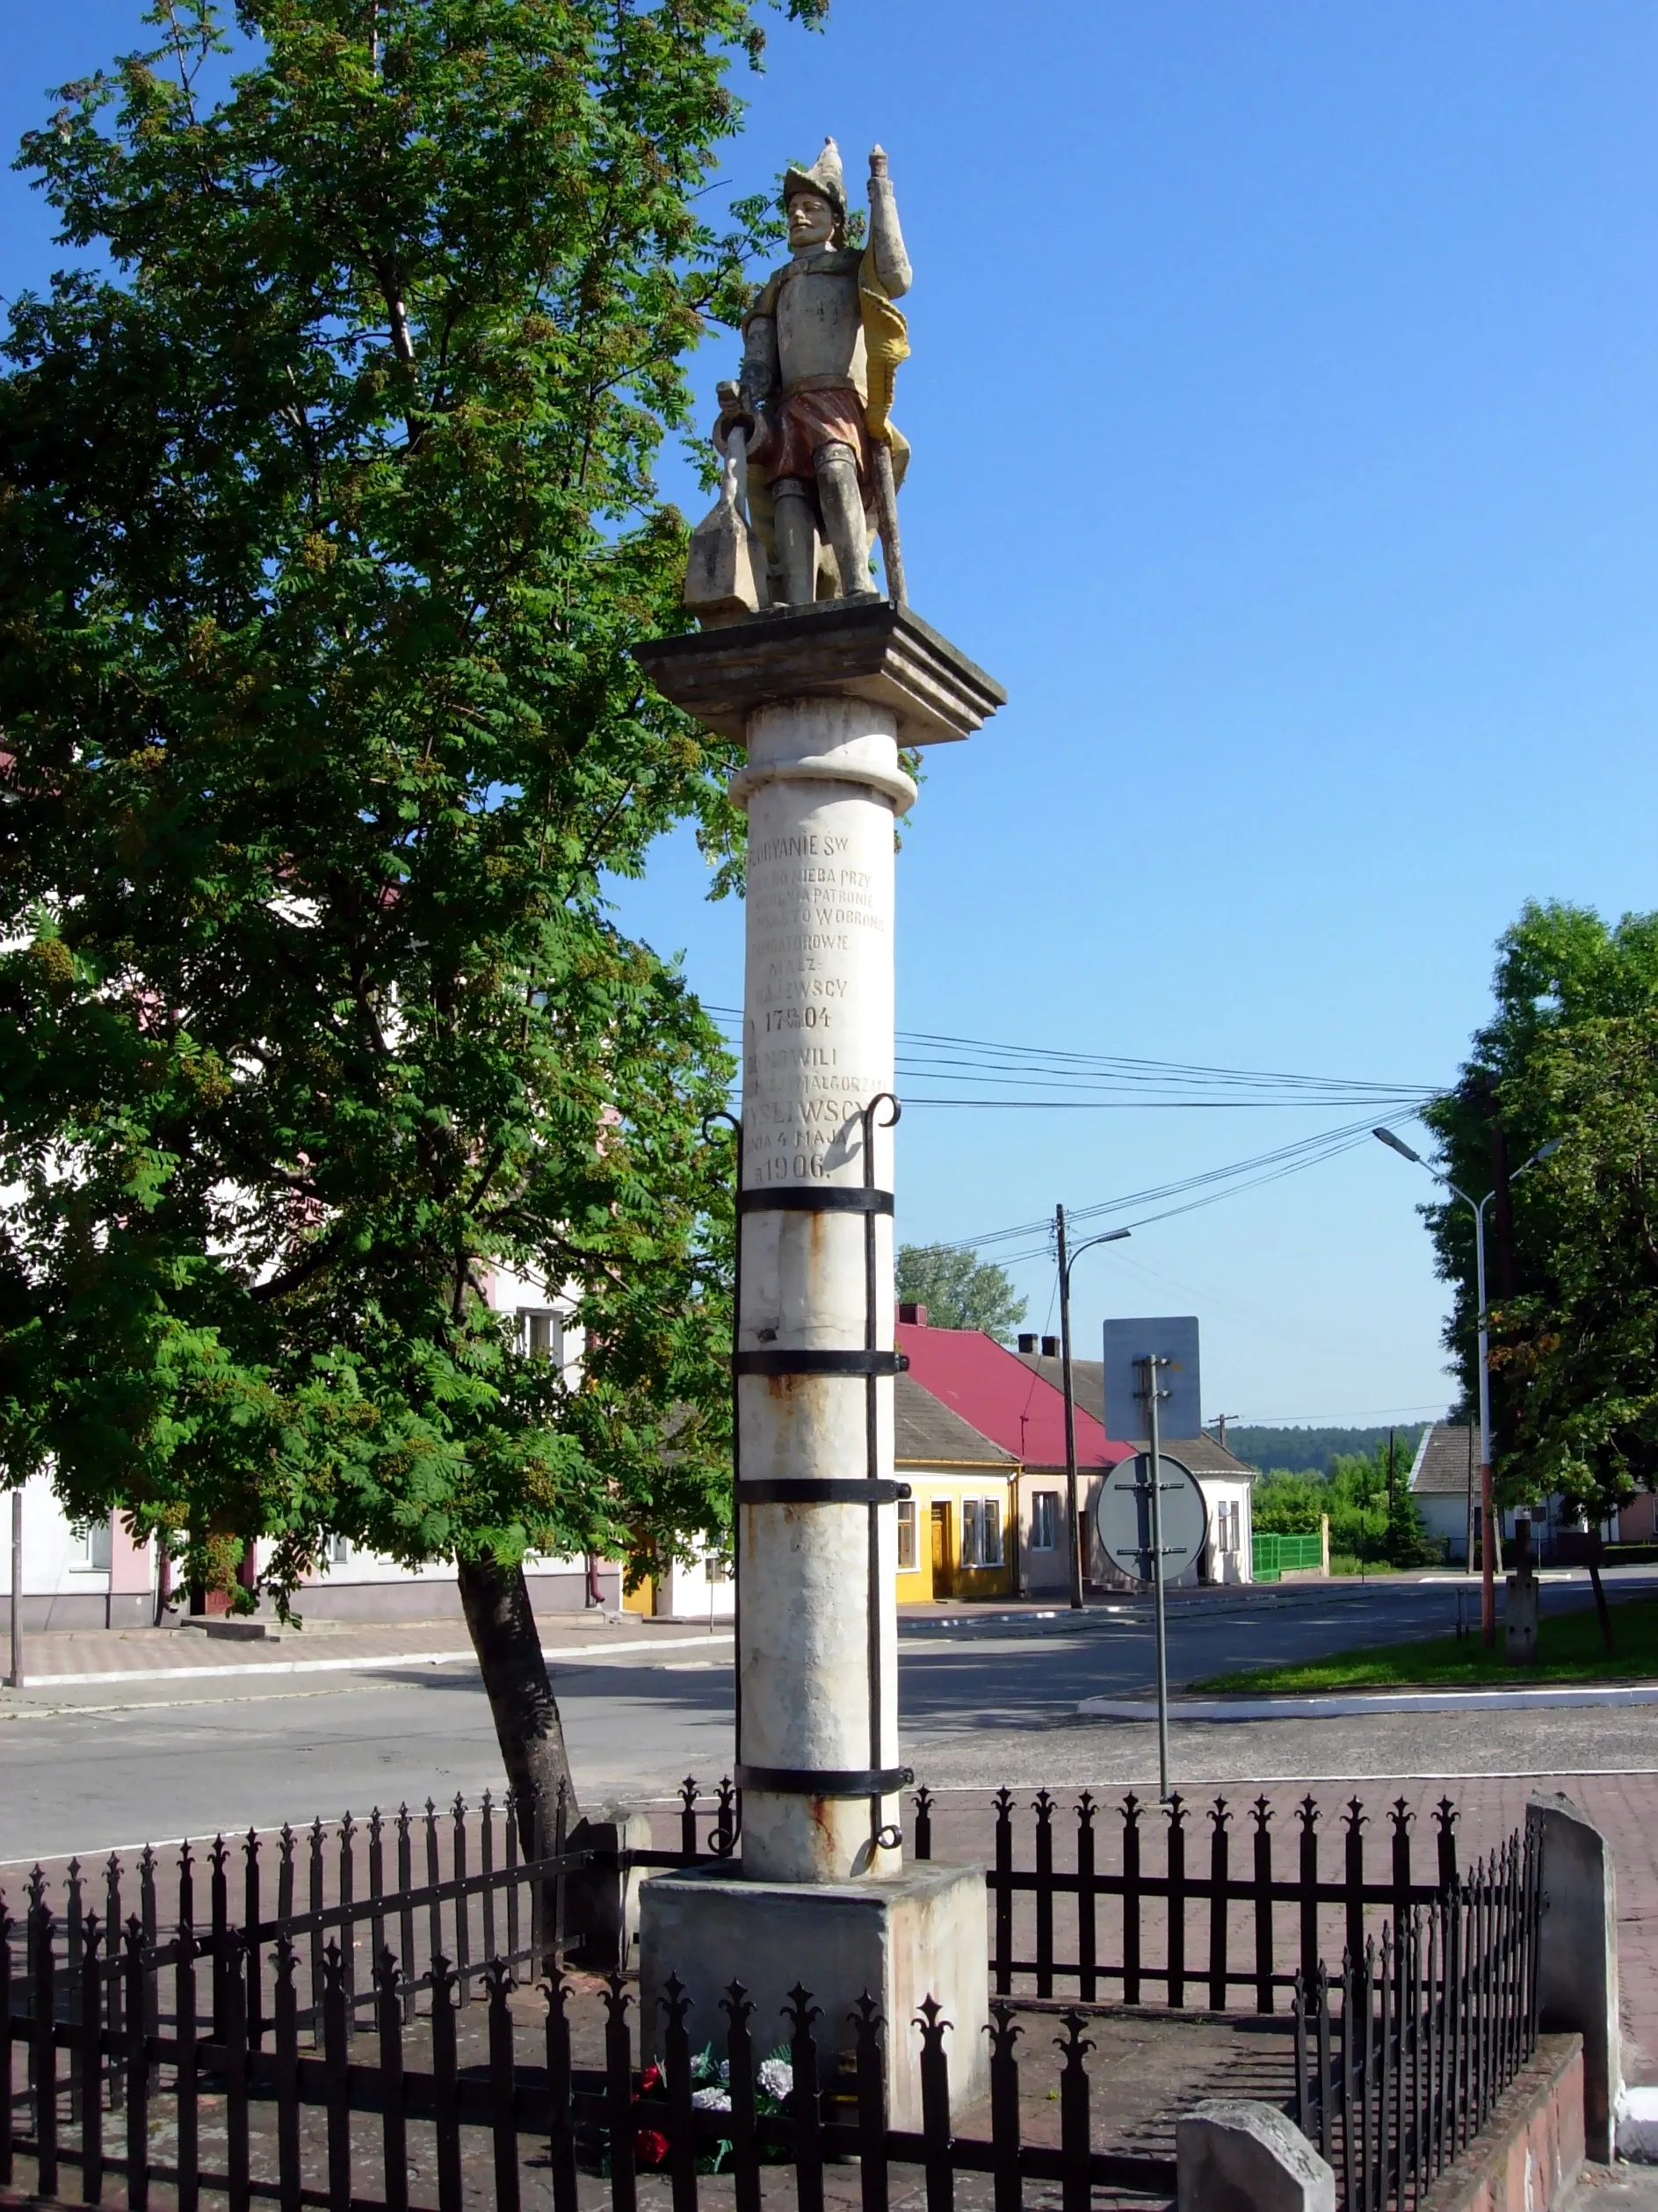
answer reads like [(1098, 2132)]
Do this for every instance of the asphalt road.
[(98, 1770)]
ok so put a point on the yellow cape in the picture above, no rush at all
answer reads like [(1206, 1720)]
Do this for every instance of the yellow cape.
[(885, 344)]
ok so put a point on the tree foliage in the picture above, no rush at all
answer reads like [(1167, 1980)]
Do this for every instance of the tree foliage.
[(959, 1289), (1372, 1519), (327, 520), (1570, 1052), (1311, 1450)]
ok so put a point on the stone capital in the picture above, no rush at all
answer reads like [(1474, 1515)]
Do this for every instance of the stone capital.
[(851, 648)]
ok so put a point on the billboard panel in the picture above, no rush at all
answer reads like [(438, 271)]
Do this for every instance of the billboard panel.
[(1180, 1414)]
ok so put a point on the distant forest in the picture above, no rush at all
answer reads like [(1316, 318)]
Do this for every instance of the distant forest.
[(1311, 1451)]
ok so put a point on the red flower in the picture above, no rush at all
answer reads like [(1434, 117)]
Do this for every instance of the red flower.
[(650, 2148), (651, 2079)]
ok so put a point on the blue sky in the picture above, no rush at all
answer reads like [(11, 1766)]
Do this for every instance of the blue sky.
[(1283, 404)]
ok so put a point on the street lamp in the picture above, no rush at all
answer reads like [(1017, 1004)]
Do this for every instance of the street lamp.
[(1487, 1504), (1067, 1260)]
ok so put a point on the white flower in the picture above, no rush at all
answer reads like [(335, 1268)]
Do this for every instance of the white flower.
[(711, 2101), (776, 2077)]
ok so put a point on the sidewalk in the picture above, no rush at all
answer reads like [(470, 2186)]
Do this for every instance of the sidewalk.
[(65, 1658)]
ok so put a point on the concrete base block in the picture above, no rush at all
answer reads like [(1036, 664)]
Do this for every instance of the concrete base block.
[(904, 1937), (1577, 1956), (601, 1901), (1237, 2155)]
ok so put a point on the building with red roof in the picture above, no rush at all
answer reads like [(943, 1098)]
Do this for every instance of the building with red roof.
[(1015, 1399), (996, 1393)]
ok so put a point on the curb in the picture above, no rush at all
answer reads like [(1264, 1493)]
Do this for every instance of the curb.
[(1289, 1708)]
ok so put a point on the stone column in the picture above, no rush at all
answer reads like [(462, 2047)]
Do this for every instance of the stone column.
[(822, 786), (823, 699)]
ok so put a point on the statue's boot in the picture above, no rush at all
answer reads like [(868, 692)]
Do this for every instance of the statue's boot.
[(796, 529), (844, 524)]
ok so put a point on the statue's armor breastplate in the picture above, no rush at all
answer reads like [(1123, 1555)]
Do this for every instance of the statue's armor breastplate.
[(819, 327)]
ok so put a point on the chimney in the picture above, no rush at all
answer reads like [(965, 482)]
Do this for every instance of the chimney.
[(1027, 1347), (917, 1314), (1049, 1347)]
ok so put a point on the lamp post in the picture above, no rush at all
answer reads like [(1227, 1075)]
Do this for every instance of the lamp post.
[(1487, 1503), (1067, 1260), (16, 1676)]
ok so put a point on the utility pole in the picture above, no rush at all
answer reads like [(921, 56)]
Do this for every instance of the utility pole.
[(16, 1676), (1074, 1517), (1219, 1423)]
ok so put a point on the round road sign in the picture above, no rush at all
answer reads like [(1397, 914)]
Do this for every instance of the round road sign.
[(1123, 1517)]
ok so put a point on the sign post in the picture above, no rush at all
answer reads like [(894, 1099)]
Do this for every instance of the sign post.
[(1149, 1370), (1151, 1511)]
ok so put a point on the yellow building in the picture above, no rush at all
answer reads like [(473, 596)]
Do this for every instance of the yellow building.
[(958, 1531)]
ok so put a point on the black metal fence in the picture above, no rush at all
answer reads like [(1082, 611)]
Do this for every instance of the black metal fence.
[(1398, 2058), (1400, 2061), (615, 2121), (455, 1884), (1048, 1927)]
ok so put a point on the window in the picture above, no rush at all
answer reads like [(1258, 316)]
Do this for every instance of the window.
[(1045, 1519), (339, 1551), (981, 1531), (542, 1332), (1229, 1526), (907, 1556), (94, 1538)]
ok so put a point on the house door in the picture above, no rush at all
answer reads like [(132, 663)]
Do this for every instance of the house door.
[(941, 1577)]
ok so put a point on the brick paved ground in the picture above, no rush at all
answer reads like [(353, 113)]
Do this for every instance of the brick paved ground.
[(1489, 1808)]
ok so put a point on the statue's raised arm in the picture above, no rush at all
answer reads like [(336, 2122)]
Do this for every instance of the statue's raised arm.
[(887, 240)]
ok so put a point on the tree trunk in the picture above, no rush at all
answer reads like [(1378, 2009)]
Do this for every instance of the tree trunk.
[(1601, 1606), (502, 1625)]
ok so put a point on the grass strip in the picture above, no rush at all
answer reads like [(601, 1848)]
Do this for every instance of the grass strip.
[(1570, 1650)]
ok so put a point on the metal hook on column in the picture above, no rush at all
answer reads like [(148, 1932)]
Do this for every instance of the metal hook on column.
[(885, 1836), (867, 1117)]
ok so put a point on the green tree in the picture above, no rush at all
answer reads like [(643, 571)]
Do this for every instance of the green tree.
[(1573, 1276), (1370, 1519), (327, 521), (1578, 1355), (959, 1290), (1288, 1503), (1373, 1518)]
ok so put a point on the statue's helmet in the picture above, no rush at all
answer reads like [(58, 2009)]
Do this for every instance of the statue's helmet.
[(824, 177)]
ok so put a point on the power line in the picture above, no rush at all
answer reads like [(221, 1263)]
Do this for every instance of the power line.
[(1119, 1081), (1052, 1077), (1286, 1159)]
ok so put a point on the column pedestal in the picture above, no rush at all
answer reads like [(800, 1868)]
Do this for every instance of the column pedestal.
[(902, 1937), (824, 698)]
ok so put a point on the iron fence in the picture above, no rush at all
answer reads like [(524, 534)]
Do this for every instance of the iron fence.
[(1398, 2058), (618, 2121), (1401, 2059), (1236, 1909)]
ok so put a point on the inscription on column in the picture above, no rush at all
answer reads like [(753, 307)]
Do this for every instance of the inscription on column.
[(818, 932)]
